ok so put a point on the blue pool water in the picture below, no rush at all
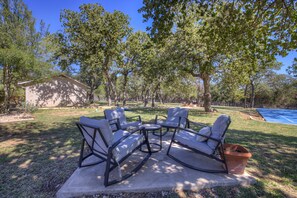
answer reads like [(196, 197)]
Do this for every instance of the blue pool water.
[(284, 116)]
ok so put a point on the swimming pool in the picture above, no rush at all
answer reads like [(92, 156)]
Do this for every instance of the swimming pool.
[(284, 116)]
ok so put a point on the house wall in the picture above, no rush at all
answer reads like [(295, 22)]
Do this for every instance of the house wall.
[(57, 92)]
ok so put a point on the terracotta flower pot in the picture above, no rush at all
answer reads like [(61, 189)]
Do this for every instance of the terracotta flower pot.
[(236, 158)]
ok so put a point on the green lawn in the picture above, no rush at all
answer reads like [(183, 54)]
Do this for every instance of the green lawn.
[(37, 157)]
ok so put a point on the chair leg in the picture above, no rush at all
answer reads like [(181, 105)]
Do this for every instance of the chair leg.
[(107, 169), (168, 150), (193, 167), (82, 157), (81, 153), (167, 130), (147, 143)]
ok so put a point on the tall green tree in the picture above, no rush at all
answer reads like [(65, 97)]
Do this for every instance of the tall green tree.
[(279, 17), (202, 42), (20, 47), (283, 89), (215, 30), (131, 57), (91, 39)]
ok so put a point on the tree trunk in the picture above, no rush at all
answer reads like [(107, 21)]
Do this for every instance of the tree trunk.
[(125, 88), (154, 93), (108, 80), (252, 94), (198, 99), (108, 94), (6, 84), (153, 100), (114, 89), (146, 98), (245, 96), (160, 98), (207, 95), (91, 94), (160, 95)]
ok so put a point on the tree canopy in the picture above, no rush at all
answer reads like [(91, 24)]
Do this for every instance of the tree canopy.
[(195, 50), (22, 55), (220, 35), (91, 39)]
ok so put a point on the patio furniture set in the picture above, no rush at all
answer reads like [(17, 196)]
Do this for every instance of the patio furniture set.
[(112, 140)]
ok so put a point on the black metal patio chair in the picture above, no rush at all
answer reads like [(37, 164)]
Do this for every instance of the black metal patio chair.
[(176, 117), (118, 119), (109, 147), (210, 145)]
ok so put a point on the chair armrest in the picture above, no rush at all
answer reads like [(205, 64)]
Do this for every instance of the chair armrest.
[(156, 118), (188, 130), (115, 121), (197, 133), (123, 138), (88, 125), (180, 119), (139, 118), (195, 123), (183, 129), (209, 137)]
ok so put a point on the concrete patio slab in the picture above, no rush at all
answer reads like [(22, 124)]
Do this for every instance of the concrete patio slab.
[(160, 173)]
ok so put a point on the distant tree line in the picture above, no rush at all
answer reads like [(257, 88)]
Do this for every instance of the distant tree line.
[(199, 52)]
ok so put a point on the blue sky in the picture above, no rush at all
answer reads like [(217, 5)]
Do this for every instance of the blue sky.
[(49, 12)]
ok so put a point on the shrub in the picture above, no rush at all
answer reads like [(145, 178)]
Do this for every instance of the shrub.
[(28, 107)]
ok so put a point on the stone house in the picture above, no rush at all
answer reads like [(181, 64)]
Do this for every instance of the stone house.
[(56, 91)]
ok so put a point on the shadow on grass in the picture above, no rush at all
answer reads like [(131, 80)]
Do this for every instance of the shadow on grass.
[(274, 159), (152, 112), (48, 153), (37, 158)]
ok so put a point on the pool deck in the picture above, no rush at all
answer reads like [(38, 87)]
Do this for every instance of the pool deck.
[(160, 173)]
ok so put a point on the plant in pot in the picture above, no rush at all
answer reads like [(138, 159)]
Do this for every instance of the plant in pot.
[(236, 158)]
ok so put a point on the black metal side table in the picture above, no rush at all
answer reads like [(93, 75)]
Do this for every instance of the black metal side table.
[(153, 128)]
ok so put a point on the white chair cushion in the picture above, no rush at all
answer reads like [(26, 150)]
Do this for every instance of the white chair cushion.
[(204, 131), (127, 146), (168, 124), (117, 113), (131, 124), (118, 135), (105, 129), (189, 139), (114, 127), (218, 129), (174, 114), (184, 114)]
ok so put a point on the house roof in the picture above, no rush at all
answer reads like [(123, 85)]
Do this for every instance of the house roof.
[(33, 82)]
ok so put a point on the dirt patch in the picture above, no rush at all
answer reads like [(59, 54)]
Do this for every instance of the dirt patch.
[(5, 118), (68, 113), (251, 115)]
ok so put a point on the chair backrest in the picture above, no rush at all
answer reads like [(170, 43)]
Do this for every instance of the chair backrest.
[(117, 113), (218, 130), (97, 140), (174, 115)]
